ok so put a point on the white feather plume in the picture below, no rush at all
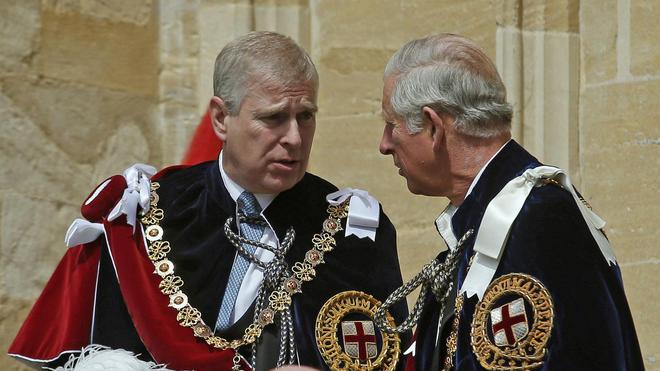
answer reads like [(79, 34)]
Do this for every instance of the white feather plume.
[(99, 357)]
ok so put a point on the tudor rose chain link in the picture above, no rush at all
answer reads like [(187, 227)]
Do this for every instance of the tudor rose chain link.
[(435, 276)]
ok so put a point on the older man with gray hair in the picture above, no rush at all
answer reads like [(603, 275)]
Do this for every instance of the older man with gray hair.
[(243, 262), (529, 280)]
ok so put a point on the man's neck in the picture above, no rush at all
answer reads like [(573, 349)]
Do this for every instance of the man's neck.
[(468, 156), (234, 189)]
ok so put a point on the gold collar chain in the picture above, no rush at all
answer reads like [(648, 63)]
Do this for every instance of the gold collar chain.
[(171, 285), (452, 339)]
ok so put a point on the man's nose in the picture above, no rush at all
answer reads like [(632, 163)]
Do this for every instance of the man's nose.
[(292, 136), (385, 146)]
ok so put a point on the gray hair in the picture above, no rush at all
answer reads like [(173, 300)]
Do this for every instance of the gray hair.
[(450, 74), (266, 56)]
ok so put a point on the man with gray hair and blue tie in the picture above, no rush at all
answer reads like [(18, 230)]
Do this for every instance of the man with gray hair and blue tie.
[(246, 262), (529, 280)]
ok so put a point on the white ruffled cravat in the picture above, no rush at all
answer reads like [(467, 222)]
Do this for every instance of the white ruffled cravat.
[(499, 216), (363, 211)]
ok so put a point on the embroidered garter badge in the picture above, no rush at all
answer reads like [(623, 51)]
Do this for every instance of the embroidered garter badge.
[(347, 337), (359, 339), (512, 323), (509, 323)]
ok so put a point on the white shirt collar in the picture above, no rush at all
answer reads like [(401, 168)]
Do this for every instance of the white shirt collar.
[(443, 225), (235, 190)]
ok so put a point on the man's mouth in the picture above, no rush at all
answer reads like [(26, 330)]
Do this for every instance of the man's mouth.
[(400, 170), (286, 164)]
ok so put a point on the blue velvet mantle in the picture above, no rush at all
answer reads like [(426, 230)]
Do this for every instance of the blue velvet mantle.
[(549, 240), (196, 206)]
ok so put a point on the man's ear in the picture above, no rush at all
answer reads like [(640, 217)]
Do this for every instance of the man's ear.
[(438, 125), (219, 113)]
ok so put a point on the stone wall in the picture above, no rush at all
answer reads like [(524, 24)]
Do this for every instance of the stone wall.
[(78, 94), (88, 87), (620, 145)]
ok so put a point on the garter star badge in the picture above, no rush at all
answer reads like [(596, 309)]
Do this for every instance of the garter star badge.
[(512, 323), (347, 337)]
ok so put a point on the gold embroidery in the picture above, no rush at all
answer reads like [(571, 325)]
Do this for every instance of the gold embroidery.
[(528, 352), (328, 320)]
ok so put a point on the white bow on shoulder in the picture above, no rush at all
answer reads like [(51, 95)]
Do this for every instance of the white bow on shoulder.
[(503, 210), (363, 211), (137, 192)]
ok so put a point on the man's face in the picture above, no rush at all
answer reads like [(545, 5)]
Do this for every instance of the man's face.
[(267, 144), (412, 153)]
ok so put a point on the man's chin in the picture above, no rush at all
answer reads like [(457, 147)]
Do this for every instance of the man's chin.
[(278, 184), (414, 191), (415, 188)]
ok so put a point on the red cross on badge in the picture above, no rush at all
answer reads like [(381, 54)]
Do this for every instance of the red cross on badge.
[(509, 322), (359, 339)]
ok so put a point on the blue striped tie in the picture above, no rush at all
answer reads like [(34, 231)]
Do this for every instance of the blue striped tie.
[(249, 206)]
